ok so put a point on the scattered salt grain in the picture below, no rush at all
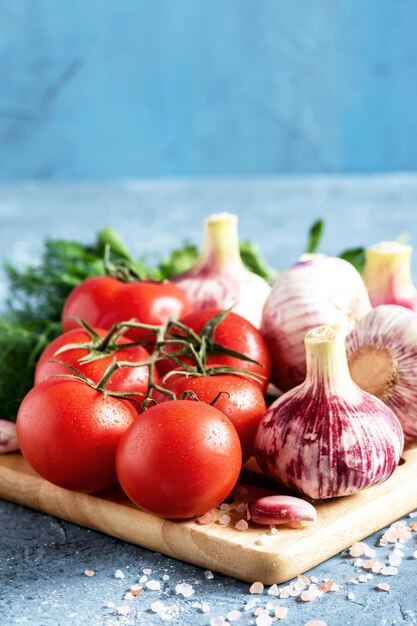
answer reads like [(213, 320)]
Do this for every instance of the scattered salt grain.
[(368, 564), (316, 622), (377, 567), (357, 549), (184, 589), (383, 587), (110, 605), (165, 577), (205, 519), (208, 574), (263, 620), (123, 610), (351, 595), (242, 525), (241, 508), (394, 559), (274, 530), (224, 507), (153, 585), (389, 571), (413, 527), (205, 607), (232, 616), (370, 552), (307, 596), (119, 574), (147, 571), (142, 579), (415, 555), (281, 612), (89, 573), (314, 579), (217, 621), (363, 578), (128, 596), (369, 576), (158, 607), (413, 514), (358, 563), (354, 581), (273, 590), (256, 588), (136, 587), (224, 520), (250, 604)]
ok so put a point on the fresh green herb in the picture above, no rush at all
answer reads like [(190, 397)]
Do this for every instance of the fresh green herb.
[(254, 261), (356, 256), (179, 261), (314, 236)]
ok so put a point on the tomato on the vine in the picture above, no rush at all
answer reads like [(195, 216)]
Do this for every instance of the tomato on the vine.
[(242, 401), (179, 459), (235, 333), (103, 300), (125, 379), (68, 432)]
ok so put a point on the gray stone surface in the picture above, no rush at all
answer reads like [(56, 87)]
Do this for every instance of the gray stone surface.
[(42, 560)]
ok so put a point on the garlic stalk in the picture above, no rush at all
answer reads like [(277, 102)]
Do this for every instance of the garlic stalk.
[(219, 278), (327, 437), (387, 274), (382, 356), (316, 290)]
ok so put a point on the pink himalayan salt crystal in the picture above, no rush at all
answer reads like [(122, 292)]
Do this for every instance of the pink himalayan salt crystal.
[(232, 616), (147, 571), (377, 567), (242, 525), (184, 589), (307, 595), (389, 571), (363, 578), (383, 587), (273, 590), (205, 519), (241, 507), (357, 549), (217, 621), (256, 587), (205, 607), (119, 574), (224, 520), (158, 607), (224, 507), (281, 612), (128, 596), (394, 559), (316, 622), (123, 610), (89, 573), (415, 555), (368, 564), (351, 595), (153, 585)]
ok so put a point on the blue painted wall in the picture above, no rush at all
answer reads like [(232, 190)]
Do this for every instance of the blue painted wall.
[(121, 88)]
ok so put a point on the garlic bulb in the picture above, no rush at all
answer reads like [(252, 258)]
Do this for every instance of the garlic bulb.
[(316, 290), (327, 437), (8, 437), (382, 356), (387, 274), (219, 278)]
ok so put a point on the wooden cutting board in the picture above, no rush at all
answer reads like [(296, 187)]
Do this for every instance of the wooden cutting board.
[(240, 554)]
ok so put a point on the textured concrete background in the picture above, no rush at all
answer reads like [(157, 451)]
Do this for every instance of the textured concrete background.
[(42, 559), (98, 89)]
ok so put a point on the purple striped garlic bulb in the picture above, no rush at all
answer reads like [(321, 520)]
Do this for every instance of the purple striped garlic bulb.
[(219, 280), (316, 290), (387, 274), (327, 437), (382, 357)]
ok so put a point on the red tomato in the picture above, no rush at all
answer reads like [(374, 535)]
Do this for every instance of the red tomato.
[(103, 300), (244, 406), (68, 432), (235, 333), (179, 459), (124, 379)]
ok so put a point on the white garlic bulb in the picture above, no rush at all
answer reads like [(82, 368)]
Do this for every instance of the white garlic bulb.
[(327, 437), (219, 279), (316, 290), (382, 356)]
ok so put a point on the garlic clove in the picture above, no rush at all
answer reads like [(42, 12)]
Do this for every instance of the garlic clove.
[(8, 437), (316, 290), (387, 274), (382, 356), (327, 437), (219, 279), (272, 510)]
